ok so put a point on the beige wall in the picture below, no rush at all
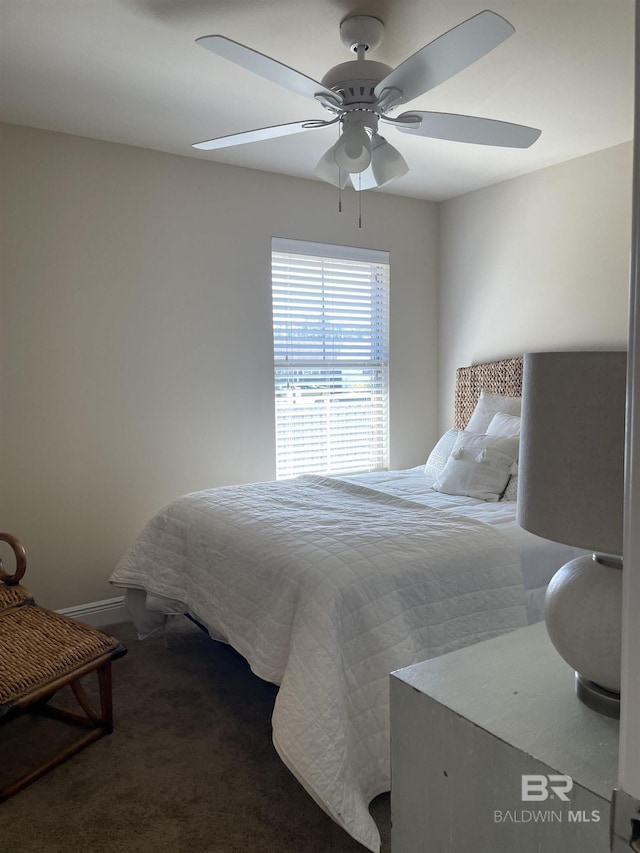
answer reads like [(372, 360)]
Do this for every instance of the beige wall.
[(135, 337), (135, 334), (538, 262)]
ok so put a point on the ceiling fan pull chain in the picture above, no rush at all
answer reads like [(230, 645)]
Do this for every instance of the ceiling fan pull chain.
[(359, 199)]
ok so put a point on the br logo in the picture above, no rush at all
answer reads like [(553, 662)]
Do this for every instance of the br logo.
[(535, 786)]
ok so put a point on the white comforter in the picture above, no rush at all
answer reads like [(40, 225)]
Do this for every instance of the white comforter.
[(326, 587)]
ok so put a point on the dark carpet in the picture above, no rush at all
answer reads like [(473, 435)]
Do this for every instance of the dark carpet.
[(190, 767)]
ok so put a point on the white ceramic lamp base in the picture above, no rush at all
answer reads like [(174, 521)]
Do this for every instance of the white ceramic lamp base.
[(583, 614)]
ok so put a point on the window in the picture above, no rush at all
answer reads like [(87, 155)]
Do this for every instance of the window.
[(331, 358)]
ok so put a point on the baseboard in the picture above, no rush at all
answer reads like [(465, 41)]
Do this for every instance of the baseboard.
[(100, 613)]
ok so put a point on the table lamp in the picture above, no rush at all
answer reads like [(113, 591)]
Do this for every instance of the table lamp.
[(571, 490)]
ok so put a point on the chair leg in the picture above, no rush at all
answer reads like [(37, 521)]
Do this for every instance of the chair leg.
[(83, 701), (106, 695), (100, 726), (59, 758)]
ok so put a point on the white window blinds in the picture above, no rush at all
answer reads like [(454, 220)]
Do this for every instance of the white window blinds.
[(331, 358)]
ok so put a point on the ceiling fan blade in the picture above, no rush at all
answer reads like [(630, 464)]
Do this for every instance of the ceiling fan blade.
[(446, 55), (261, 133), (480, 131), (264, 66)]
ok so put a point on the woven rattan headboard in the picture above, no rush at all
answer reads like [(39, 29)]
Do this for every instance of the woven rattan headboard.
[(498, 377)]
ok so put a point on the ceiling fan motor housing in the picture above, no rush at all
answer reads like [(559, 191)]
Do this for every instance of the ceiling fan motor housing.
[(356, 81)]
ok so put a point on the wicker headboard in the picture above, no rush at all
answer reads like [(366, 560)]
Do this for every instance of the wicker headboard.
[(498, 377)]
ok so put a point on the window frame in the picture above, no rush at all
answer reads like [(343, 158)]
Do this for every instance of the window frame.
[(334, 428)]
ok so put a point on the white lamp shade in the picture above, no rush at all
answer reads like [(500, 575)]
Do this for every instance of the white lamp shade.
[(571, 466)]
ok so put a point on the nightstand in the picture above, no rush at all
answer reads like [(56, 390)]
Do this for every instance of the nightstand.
[(492, 752)]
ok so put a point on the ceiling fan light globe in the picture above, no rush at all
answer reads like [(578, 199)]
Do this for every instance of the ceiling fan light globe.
[(352, 152), (328, 170), (387, 162)]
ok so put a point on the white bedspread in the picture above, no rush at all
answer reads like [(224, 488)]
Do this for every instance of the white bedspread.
[(327, 586), (540, 558)]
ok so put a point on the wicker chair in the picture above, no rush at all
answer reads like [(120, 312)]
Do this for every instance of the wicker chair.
[(42, 651)]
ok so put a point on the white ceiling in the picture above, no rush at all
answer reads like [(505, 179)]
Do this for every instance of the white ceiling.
[(129, 71)]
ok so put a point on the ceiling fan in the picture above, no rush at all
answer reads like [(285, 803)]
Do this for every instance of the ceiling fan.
[(360, 94)]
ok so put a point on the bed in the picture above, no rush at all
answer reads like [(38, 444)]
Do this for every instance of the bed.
[(328, 585)]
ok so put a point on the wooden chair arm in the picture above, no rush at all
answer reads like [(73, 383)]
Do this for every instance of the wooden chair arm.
[(21, 560)]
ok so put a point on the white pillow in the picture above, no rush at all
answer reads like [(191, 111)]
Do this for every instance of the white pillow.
[(489, 405), (506, 425), (511, 492), (503, 424), (479, 466), (440, 453)]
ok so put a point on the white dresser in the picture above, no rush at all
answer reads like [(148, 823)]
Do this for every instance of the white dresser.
[(468, 726)]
